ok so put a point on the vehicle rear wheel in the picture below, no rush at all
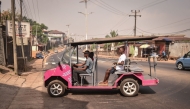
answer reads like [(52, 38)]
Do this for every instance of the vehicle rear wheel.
[(159, 58), (166, 58), (56, 88), (129, 87), (180, 66)]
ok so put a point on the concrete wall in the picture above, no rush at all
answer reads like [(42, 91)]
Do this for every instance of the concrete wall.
[(179, 49)]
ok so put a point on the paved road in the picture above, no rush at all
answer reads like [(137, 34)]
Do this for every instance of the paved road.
[(173, 91)]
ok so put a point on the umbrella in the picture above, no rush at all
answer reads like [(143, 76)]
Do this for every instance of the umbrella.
[(144, 46)]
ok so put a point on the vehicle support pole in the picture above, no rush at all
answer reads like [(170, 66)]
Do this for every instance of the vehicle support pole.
[(96, 64), (70, 55), (77, 54), (149, 65)]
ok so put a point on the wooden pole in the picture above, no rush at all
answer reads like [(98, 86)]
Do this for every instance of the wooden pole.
[(14, 37)]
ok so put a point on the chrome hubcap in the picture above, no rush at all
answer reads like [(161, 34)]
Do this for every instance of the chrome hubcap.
[(56, 89), (179, 66), (129, 88)]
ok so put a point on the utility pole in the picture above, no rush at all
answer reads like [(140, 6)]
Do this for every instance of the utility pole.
[(68, 37), (2, 52), (14, 37), (86, 18), (135, 28), (20, 34), (36, 37)]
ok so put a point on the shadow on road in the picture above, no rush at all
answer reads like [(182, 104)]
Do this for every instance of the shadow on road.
[(13, 97), (146, 90), (93, 92)]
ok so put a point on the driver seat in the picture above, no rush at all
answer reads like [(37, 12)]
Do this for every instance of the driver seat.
[(90, 74)]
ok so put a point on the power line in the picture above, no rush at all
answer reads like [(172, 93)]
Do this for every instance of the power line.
[(147, 4), (107, 9), (151, 4), (25, 10), (185, 30), (34, 10), (121, 22), (29, 9), (145, 31), (38, 11), (110, 7), (170, 23)]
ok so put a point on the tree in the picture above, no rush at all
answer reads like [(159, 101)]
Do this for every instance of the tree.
[(107, 45), (7, 15), (113, 33), (45, 40), (93, 46)]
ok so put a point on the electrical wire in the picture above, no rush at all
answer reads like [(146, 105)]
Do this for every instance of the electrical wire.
[(121, 22), (29, 8), (25, 9), (110, 7), (188, 29), (147, 4), (107, 9), (153, 4), (38, 11), (171, 23), (34, 10)]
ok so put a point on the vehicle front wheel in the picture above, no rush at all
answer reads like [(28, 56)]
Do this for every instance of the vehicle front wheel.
[(159, 58), (56, 88), (129, 87), (180, 66)]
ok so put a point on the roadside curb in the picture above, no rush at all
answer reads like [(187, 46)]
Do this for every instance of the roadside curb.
[(30, 72), (43, 62)]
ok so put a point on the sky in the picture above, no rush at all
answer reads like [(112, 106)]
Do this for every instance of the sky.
[(158, 17)]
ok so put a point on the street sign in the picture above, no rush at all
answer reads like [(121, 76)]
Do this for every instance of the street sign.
[(18, 41), (21, 30)]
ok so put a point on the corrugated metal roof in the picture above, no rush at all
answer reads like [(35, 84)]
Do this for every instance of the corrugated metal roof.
[(113, 39)]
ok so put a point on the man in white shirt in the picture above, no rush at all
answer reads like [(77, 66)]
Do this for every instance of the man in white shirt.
[(118, 67)]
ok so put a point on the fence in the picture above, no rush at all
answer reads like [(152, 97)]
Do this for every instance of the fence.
[(179, 49)]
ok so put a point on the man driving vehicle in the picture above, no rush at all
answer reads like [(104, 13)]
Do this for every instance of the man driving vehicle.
[(118, 67), (83, 68)]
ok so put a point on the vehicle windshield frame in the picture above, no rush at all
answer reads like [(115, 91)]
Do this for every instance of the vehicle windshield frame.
[(69, 50)]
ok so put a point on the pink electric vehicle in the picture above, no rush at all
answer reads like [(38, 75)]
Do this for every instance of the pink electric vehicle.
[(58, 80)]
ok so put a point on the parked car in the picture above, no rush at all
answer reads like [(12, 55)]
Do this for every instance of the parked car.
[(39, 55), (183, 62)]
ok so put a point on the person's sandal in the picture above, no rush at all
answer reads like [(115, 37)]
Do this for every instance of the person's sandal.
[(102, 84)]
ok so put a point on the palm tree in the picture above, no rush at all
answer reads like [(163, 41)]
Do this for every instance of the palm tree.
[(106, 46)]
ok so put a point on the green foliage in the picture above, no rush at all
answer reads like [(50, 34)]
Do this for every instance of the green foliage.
[(44, 39), (107, 46), (93, 47), (113, 33)]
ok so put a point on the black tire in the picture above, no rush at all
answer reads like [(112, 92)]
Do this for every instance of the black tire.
[(159, 58), (56, 92), (180, 66), (133, 85), (166, 59)]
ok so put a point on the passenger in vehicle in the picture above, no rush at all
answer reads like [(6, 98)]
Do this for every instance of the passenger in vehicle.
[(82, 68), (118, 67), (91, 55)]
